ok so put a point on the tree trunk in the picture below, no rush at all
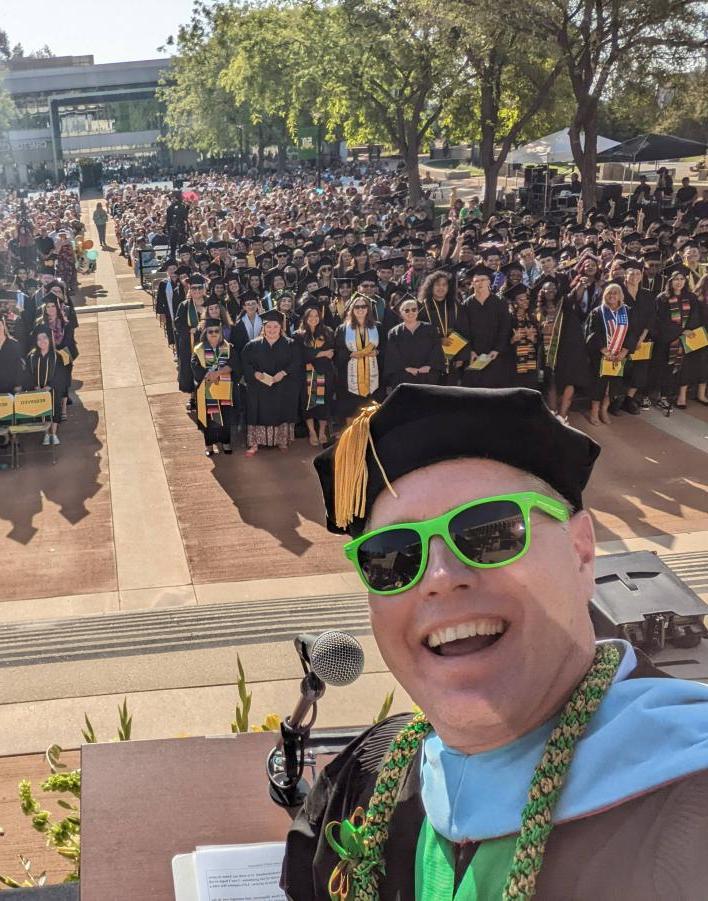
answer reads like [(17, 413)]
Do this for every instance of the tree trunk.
[(489, 115), (261, 149), (415, 189), (585, 153), (282, 157)]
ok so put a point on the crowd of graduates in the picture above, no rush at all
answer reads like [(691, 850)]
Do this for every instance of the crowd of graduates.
[(287, 304), (291, 305), (38, 283)]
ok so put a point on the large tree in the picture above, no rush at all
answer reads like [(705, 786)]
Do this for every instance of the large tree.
[(597, 37), (387, 72)]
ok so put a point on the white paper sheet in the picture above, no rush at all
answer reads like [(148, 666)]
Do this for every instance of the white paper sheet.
[(240, 872)]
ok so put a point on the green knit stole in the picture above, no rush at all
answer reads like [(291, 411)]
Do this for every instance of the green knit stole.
[(361, 873)]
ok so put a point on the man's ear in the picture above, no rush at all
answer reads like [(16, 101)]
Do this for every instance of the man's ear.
[(582, 534)]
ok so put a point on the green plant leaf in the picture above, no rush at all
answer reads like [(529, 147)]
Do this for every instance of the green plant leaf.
[(88, 733), (385, 707)]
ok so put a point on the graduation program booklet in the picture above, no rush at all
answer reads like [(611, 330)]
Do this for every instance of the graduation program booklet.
[(249, 872), (481, 362)]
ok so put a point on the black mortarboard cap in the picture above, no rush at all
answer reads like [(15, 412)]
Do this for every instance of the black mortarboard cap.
[(631, 237), (481, 270), (676, 268), (515, 291), (185, 248), (418, 425), (356, 249), (652, 255), (514, 264), (197, 279), (272, 316), (184, 270), (368, 276), (324, 292)]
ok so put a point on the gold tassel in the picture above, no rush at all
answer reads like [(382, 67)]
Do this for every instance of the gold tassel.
[(351, 475)]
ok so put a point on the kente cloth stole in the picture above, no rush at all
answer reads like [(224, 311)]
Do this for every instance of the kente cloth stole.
[(192, 321), (483, 880), (679, 311), (526, 356), (315, 381), (208, 406), (554, 341), (362, 369), (616, 324)]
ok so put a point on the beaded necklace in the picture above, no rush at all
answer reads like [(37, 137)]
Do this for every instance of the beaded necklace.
[(361, 838)]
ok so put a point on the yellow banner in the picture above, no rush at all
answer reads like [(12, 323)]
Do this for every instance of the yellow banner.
[(7, 406), (33, 405), (220, 390), (452, 344), (643, 351), (697, 340), (607, 367)]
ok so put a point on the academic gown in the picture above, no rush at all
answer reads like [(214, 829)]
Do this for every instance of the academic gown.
[(48, 371), (406, 348), (322, 371), (162, 307), (679, 368), (642, 316), (487, 327), (186, 323), (348, 404), (11, 366), (648, 848), (572, 363), (277, 404), (596, 339)]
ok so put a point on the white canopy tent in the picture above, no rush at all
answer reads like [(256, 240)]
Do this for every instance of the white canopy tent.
[(554, 148)]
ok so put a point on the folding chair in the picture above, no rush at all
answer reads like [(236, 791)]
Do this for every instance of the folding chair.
[(32, 414)]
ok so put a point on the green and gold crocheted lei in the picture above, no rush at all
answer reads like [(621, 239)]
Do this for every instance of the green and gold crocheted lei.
[(359, 841)]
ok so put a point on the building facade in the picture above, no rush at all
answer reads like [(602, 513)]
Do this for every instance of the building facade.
[(70, 108)]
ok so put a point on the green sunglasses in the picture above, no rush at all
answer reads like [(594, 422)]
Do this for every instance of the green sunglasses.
[(486, 533)]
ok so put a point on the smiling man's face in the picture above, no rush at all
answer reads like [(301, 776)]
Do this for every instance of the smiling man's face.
[(484, 693)]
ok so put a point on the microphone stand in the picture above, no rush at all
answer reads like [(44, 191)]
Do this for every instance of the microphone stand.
[(286, 762)]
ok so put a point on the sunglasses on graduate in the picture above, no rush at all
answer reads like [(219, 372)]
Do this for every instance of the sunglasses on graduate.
[(360, 306), (486, 533)]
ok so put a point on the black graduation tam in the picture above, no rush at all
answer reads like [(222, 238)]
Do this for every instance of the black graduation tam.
[(418, 425), (249, 295), (631, 237), (513, 266), (370, 231), (652, 255), (335, 233), (481, 270), (514, 292), (524, 245), (196, 279), (368, 276), (396, 261), (312, 303), (281, 249), (632, 263), (169, 262), (272, 316), (544, 253), (218, 245), (232, 276), (384, 263), (202, 258), (249, 271), (184, 270), (490, 252), (199, 245), (185, 248), (492, 236), (356, 249), (212, 323), (345, 280), (675, 268), (324, 292)]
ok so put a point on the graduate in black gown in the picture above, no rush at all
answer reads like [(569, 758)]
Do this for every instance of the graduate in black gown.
[(216, 371), (11, 361), (186, 325), (440, 307), (642, 323), (358, 358), (524, 338), (678, 314), (315, 341), (413, 350), (169, 296), (484, 322), (271, 367), (49, 368)]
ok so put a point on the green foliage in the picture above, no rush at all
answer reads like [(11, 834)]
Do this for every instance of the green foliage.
[(63, 834), (243, 708)]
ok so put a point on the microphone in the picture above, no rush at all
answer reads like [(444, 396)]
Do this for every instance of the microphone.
[(332, 658), (336, 657)]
